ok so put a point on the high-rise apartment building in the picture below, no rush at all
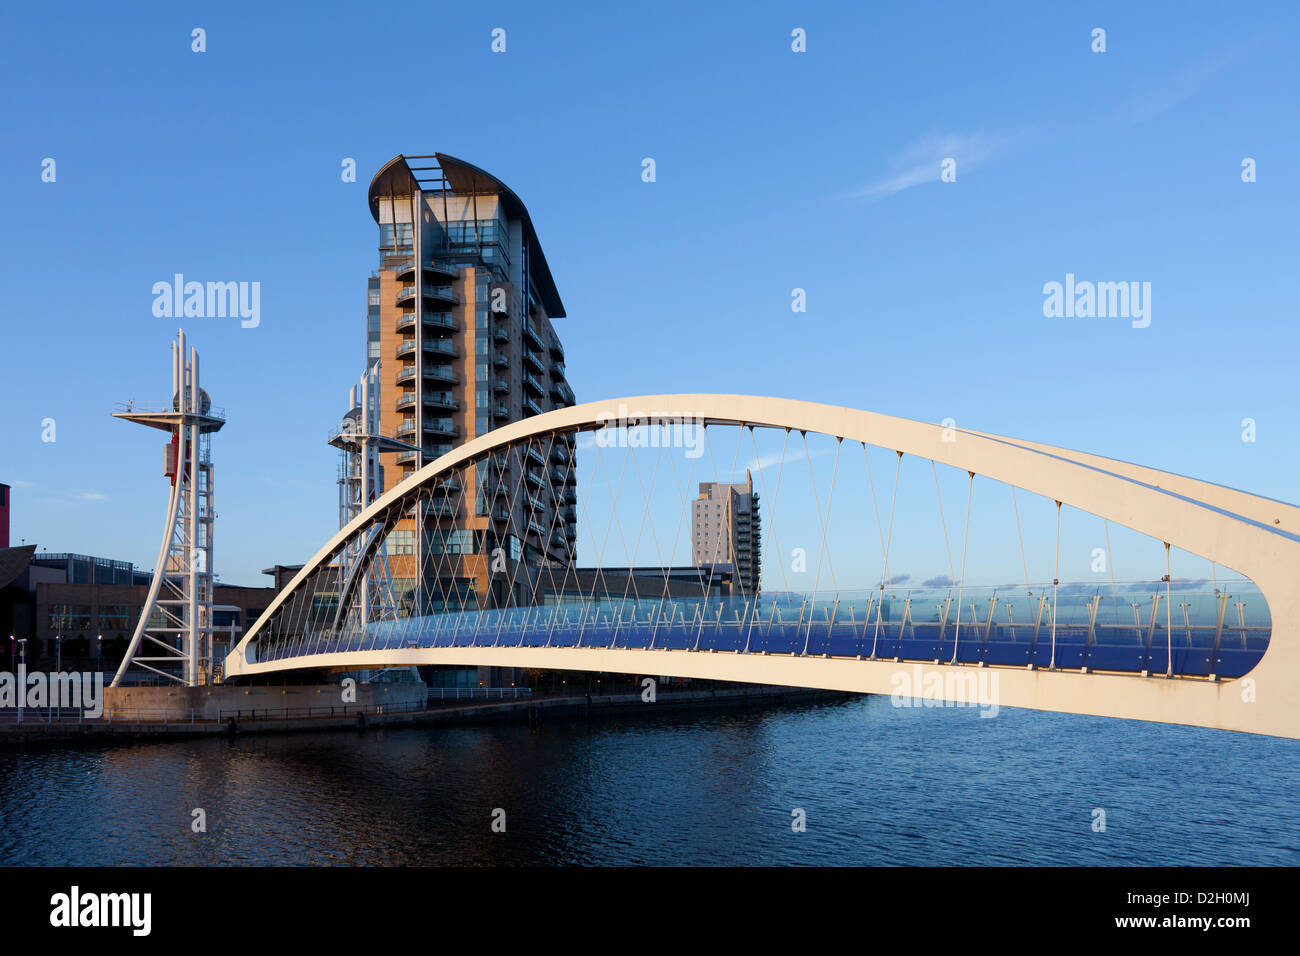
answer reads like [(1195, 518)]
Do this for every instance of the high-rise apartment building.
[(725, 529), (459, 319)]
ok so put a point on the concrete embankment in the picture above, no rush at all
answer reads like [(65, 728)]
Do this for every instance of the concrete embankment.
[(529, 710)]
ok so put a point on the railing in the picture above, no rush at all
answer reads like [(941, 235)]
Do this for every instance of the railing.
[(240, 715), (160, 408), (1206, 634), (479, 693), (44, 715)]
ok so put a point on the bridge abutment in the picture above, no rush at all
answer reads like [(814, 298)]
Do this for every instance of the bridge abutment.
[(223, 701)]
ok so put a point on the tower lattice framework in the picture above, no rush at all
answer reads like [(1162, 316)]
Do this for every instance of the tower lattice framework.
[(173, 638)]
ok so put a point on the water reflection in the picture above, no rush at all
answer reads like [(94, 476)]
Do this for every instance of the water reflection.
[(879, 785)]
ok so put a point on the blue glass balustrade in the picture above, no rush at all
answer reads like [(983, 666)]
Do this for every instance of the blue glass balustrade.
[(1222, 631)]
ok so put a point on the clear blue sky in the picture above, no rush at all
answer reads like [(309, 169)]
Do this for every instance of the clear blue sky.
[(776, 170)]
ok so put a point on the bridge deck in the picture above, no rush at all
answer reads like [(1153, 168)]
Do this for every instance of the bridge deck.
[(1198, 647)]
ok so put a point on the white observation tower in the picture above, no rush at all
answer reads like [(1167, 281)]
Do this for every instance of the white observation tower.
[(173, 638)]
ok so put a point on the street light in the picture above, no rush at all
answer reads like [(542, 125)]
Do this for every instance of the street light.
[(22, 667), (99, 644)]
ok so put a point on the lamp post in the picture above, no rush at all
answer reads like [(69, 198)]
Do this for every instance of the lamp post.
[(22, 680), (99, 647), (58, 653)]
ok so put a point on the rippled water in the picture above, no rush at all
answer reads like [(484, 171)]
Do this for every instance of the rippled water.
[(878, 784)]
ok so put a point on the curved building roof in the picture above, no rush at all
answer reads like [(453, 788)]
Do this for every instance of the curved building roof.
[(398, 177)]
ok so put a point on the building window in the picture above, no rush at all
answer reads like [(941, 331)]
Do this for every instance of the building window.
[(113, 617), (401, 541), (68, 617)]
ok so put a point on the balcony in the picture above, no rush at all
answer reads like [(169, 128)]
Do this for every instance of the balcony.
[(500, 411), (441, 426), (533, 477), (441, 400), (406, 322), (501, 360), (557, 370), (559, 477), (532, 339), (439, 373), (440, 320), (532, 362), (534, 528), (439, 507), (531, 407), (532, 383), (406, 457), (434, 293), (406, 402), (535, 455), (440, 347), (535, 504), (448, 270), (406, 375), (557, 351), (560, 455), (406, 429), (561, 394), (406, 348), (500, 513), (501, 336), (501, 386)]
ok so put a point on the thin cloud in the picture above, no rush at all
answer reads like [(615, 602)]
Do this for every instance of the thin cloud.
[(57, 496), (764, 462), (921, 162)]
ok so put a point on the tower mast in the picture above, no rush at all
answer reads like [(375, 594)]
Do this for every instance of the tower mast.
[(173, 637)]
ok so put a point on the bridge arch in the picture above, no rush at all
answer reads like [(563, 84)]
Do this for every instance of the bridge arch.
[(1252, 535)]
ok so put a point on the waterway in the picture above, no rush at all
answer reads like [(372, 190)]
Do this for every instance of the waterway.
[(876, 785)]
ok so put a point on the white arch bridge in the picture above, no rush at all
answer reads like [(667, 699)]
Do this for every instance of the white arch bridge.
[(579, 540)]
